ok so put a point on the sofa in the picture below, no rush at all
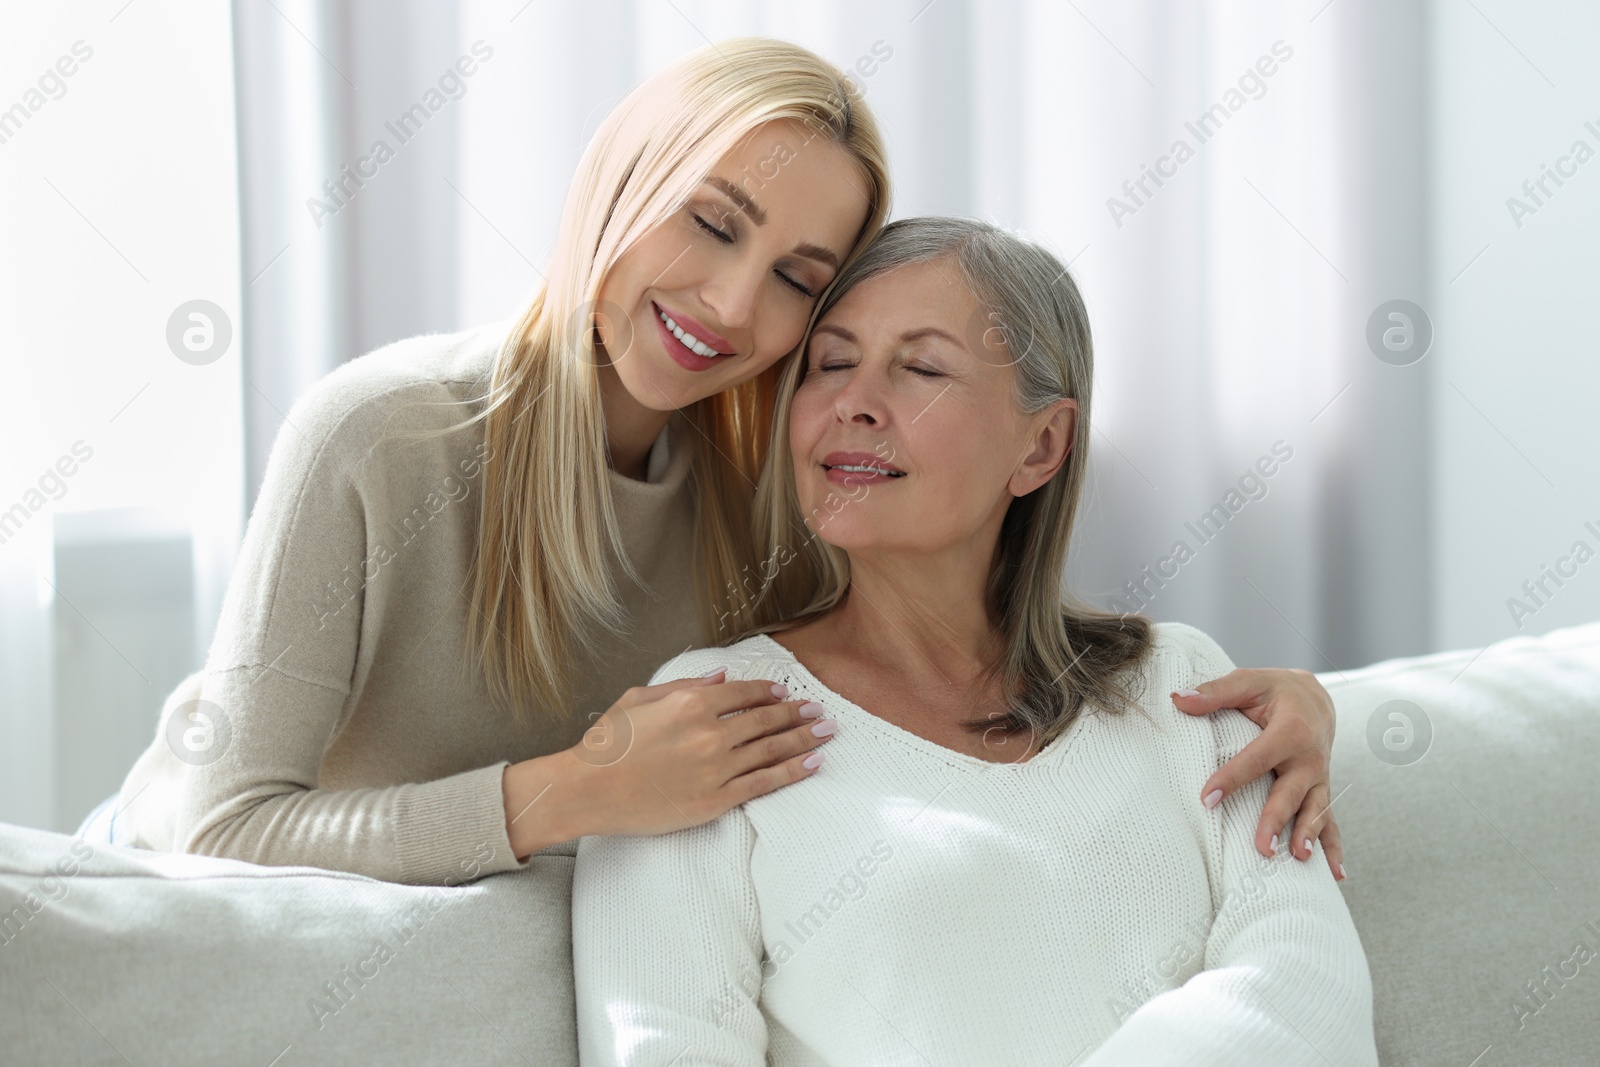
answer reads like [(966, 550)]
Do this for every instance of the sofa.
[(1465, 783)]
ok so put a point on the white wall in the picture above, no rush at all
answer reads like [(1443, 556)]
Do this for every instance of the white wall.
[(1516, 375), (119, 206)]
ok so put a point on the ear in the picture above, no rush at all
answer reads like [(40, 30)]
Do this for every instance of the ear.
[(1048, 447)]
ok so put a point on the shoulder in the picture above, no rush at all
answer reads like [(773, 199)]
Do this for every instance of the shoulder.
[(1187, 654), (415, 385), (750, 658), (369, 391), (1187, 657), (1180, 657)]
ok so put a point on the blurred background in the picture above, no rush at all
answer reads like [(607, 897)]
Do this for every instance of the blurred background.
[(1347, 242)]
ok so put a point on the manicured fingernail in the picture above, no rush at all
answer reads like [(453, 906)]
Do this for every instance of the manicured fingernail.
[(779, 691), (1308, 848), (1213, 798), (1187, 693), (811, 709), (1272, 846), (714, 673), (825, 727), (812, 762), (1341, 871)]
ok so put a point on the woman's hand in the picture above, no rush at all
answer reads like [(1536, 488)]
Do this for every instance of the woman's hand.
[(1297, 721), (663, 758)]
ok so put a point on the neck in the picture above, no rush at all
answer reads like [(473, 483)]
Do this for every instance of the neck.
[(926, 614), (631, 428)]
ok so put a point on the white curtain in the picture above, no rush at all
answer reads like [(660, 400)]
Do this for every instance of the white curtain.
[(1229, 302)]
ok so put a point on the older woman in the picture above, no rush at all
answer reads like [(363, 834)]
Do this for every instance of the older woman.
[(999, 859)]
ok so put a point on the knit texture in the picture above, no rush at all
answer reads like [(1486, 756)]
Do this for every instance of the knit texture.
[(909, 904), (357, 738)]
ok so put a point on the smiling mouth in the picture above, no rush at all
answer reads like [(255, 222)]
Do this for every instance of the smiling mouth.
[(687, 339), (859, 469)]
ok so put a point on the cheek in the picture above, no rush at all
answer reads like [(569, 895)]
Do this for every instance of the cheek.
[(810, 416), (782, 324), (621, 284), (967, 470), (662, 255), (807, 413)]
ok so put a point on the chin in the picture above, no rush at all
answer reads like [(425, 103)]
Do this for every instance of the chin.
[(844, 535), (660, 390)]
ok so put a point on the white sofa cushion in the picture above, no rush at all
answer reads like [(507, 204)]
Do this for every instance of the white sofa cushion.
[(110, 952), (1477, 866)]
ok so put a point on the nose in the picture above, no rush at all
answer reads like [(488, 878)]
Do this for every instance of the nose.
[(731, 294), (861, 399)]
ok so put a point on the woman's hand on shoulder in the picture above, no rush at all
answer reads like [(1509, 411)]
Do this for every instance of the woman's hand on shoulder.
[(1297, 720), (664, 758)]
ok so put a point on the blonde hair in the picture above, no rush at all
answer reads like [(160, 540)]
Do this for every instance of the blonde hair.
[(541, 583), (1059, 653)]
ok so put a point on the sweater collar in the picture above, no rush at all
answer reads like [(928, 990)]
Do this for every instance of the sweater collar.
[(656, 461), (667, 465)]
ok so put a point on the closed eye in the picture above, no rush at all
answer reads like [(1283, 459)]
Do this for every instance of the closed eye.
[(725, 238), (796, 286)]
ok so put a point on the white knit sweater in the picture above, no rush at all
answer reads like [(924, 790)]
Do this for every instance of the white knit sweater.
[(909, 904)]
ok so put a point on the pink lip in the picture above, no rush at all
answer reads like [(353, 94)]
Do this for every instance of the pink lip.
[(694, 326), (680, 352), (858, 459)]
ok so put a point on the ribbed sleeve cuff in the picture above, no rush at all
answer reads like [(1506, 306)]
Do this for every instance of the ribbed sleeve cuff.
[(454, 830)]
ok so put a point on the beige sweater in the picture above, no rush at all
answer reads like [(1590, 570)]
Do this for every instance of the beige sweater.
[(346, 732)]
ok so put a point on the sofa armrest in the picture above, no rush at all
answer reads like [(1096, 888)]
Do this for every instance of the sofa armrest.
[(111, 954)]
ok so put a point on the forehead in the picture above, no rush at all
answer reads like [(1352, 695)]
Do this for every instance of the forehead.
[(925, 300), (930, 289), (796, 177), (784, 154)]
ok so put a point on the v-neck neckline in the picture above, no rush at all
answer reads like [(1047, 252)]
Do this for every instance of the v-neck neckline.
[(1049, 754)]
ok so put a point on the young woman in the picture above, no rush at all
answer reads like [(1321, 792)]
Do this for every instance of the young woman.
[(467, 548), (1001, 860)]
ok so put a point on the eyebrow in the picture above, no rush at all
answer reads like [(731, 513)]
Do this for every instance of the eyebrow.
[(740, 197), (759, 217), (905, 338)]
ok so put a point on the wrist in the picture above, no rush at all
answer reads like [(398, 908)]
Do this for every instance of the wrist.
[(539, 803)]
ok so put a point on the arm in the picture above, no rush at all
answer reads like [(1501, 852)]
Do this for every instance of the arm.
[(1285, 980), (261, 803), (666, 942), (667, 949), (279, 674)]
